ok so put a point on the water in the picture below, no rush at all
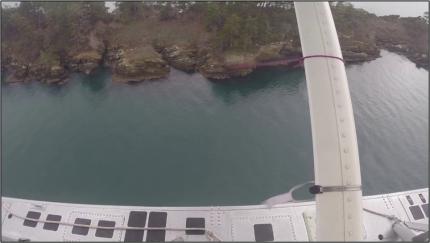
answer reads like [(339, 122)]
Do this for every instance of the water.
[(189, 141)]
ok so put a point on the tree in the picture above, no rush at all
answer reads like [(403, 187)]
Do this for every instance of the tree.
[(426, 16), (29, 10), (215, 14), (168, 12), (129, 11), (94, 11), (230, 34)]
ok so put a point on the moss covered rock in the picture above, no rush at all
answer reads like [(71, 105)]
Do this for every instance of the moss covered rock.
[(139, 64), (182, 57), (86, 61)]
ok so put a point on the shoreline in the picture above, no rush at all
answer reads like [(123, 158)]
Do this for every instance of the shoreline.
[(98, 69), (191, 39)]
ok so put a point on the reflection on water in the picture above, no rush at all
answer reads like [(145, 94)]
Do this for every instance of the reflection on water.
[(390, 101), (186, 140), (260, 80), (96, 81)]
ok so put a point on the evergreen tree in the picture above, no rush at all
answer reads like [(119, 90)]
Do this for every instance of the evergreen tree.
[(129, 11)]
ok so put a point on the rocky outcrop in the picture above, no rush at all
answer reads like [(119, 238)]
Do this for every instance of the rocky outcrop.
[(354, 51), (138, 64), (407, 36), (290, 49), (182, 57), (56, 74), (270, 52), (16, 72), (143, 47), (112, 56), (214, 68), (48, 74), (86, 62), (419, 58), (227, 66)]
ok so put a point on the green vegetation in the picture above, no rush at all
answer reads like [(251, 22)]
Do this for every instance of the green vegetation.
[(79, 36), (54, 26), (129, 11), (38, 30), (244, 26)]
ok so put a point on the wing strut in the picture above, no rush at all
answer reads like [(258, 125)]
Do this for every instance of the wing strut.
[(339, 215)]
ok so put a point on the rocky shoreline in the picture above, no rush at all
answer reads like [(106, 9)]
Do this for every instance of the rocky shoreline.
[(149, 60), (135, 64)]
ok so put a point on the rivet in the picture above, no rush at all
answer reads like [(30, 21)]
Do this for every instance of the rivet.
[(343, 135), (349, 216), (342, 119), (337, 91), (345, 150), (347, 166), (339, 106), (349, 233), (348, 199)]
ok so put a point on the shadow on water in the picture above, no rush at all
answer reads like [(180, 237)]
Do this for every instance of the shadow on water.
[(97, 80), (95, 83), (258, 81)]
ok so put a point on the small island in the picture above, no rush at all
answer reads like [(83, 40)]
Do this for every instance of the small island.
[(47, 41)]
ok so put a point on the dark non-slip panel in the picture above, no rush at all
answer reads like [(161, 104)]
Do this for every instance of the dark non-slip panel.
[(133, 236), (263, 232), (52, 226), (135, 219), (411, 202), (105, 233), (81, 230), (32, 215), (195, 223), (156, 236), (416, 212), (156, 219), (426, 209), (422, 198)]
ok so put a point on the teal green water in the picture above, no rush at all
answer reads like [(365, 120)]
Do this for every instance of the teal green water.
[(189, 141)]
